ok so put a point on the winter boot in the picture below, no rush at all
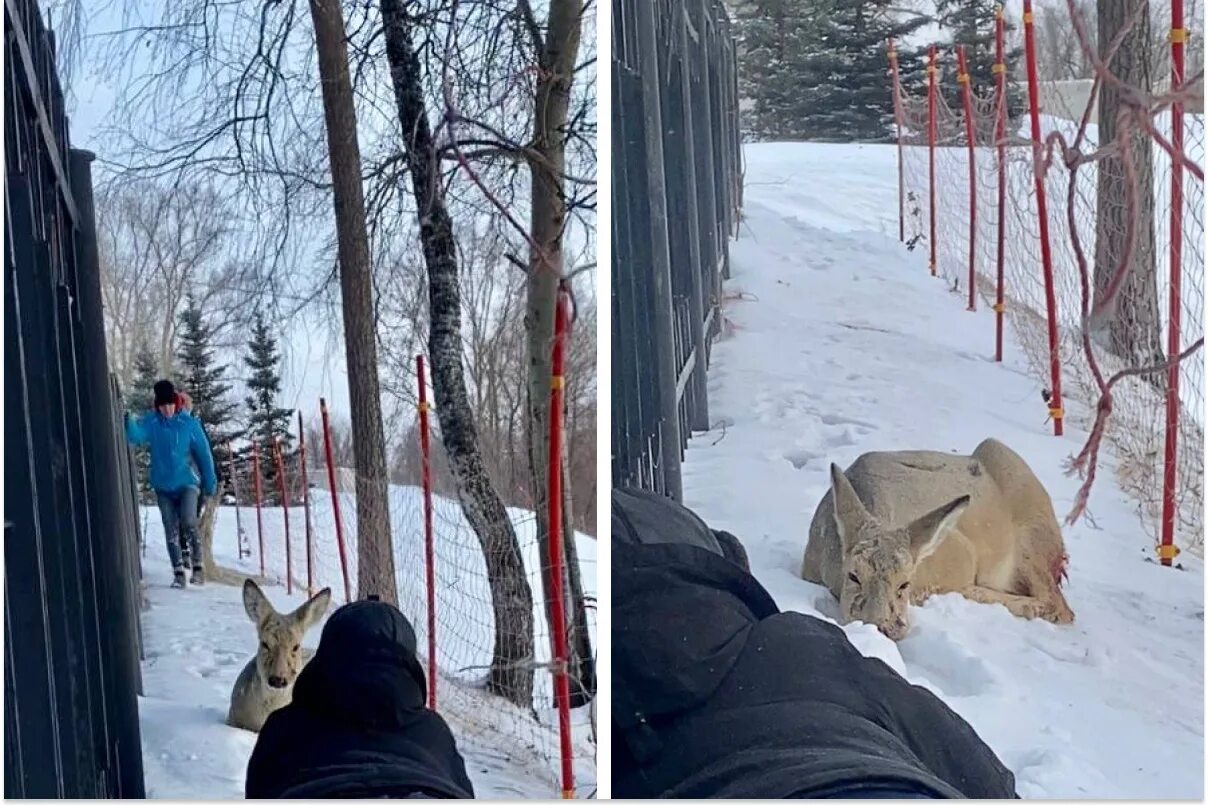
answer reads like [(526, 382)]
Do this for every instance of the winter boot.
[(199, 576), (179, 581)]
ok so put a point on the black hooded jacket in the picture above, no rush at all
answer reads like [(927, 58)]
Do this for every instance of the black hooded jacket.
[(717, 694), (358, 726)]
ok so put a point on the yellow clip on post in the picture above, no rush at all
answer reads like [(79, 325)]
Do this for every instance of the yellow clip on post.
[(999, 308), (962, 78), (1028, 19), (557, 382), (425, 407), (1177, 36), (1057, 413), (998, 67), (1167, 551)]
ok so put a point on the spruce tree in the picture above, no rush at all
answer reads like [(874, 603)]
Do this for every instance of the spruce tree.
[(971, 23), (855, 99), (773, 39), (202, 377), (266, 419), (138, 397), (819, 70)]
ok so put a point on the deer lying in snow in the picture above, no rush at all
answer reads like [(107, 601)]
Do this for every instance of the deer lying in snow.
[(899, 527), (267, 681)]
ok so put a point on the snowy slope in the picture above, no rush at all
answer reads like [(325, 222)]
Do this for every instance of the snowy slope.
[(840, 344), (199, 639)]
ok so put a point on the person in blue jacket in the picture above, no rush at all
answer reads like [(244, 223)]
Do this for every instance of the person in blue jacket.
[(173, 436)]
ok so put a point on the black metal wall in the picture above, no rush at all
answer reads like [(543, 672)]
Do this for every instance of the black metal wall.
[(676, 192), (71, 645)]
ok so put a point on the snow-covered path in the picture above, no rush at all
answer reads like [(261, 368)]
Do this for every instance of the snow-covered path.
[(840, 344)]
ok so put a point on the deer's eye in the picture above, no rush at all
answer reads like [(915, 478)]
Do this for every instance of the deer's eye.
[(853, 579), (295, 648), (904, 587), (264, 645)]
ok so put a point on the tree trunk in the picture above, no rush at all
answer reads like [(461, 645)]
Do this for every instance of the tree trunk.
[(1134, 328), (215, 573), (555, 77), (511, 673), (375, 555)]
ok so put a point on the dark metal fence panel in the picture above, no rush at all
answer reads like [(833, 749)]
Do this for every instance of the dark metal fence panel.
[(71, 649), (676, 191)]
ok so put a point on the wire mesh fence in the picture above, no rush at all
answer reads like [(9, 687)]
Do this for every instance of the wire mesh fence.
[(1102, 319)]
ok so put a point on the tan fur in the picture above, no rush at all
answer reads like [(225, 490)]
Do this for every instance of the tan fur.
[(910, 524), (280, 657)]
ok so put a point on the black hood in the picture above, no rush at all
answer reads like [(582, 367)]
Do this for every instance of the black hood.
[(365, 671), (668, 567)]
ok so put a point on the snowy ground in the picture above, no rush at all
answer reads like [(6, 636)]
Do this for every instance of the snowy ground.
[(843, 344), (199, 639)]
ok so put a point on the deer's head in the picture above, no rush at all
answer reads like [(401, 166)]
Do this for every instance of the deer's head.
[(879, 561), (279, 657)]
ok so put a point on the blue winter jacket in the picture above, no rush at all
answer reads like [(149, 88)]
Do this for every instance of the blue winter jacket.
[(172, 440)]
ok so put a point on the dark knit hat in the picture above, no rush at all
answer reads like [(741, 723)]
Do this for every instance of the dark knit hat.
[(165, 393)]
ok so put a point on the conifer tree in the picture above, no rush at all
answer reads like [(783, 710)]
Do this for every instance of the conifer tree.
[(971, 23), (203, 378), (818, 69), (138, 397), (266, 419)]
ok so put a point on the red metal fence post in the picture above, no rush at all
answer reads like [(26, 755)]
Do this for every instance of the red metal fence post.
[(1056, 411), (962, 78), (1000, 135), (429, 542), (557, 606), (897, 120), (1178, 37), (256, 485), (932, 69), (282, 488), (335, 498), (310, 537)]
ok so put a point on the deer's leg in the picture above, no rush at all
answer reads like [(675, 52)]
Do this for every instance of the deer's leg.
[(1021, 606)]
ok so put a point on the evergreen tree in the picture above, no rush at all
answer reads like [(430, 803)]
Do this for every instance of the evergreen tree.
[(203, 379), (857, 101), (138, 397), (818, 69), (265, 419), (774, 40), (971, 23)]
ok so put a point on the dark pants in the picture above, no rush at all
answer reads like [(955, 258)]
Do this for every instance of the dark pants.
[(179, 512)]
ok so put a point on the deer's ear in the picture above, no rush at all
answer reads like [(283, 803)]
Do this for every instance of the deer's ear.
[(927, 532), (849, 511), (312, 611), (254, 602)]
